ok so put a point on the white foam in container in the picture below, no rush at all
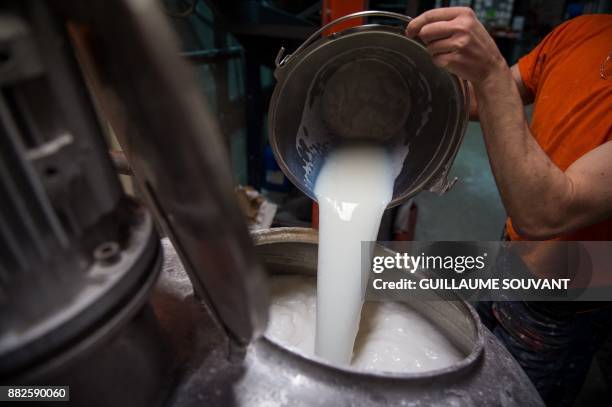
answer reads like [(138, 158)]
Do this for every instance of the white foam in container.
[(391, 337)]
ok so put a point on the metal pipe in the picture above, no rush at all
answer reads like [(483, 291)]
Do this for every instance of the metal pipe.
[(210, 55)]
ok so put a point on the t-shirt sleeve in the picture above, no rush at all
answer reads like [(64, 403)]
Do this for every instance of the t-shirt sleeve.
[(532, 65)]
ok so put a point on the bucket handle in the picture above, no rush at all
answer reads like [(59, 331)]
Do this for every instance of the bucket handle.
[(281, 59)]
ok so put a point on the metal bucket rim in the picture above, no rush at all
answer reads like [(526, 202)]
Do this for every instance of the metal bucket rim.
[(310, 236)]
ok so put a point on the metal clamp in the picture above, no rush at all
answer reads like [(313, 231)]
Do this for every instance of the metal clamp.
[(281, 59)]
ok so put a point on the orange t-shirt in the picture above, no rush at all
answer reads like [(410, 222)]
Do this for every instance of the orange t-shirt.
[(572, 112)]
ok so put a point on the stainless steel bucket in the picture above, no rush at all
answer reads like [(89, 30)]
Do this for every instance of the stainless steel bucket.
[(367, 84)]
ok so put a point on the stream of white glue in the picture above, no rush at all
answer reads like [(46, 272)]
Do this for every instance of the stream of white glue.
[(353, 188)]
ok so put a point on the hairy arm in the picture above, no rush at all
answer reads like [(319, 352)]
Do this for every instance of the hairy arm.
[(526, 95), (542, 200)]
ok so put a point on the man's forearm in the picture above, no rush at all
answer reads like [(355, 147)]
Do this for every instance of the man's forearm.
[(526, 96), (473, 112), (534, 190)]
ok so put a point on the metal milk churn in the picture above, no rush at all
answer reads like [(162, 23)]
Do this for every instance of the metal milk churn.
[(266, 372)]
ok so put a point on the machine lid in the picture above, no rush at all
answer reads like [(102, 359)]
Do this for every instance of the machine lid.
[(177, 154)]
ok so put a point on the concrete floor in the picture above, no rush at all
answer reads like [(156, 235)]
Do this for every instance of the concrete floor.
[(472, 209)]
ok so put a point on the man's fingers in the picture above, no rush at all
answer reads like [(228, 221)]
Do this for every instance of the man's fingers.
[(432, 16), (444, 60), (436, 31), (442, 46)]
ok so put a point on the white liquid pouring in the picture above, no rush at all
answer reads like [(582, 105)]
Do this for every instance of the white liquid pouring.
[(392, 337), (353, 189)]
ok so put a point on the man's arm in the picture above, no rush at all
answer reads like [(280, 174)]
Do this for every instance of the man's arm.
[(526, 95), (542, 200)]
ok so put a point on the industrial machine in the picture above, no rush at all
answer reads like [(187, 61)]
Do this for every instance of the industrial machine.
[(80, 299)]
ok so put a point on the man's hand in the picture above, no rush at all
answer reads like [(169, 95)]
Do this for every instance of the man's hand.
[(458, 42), (542, 200)]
